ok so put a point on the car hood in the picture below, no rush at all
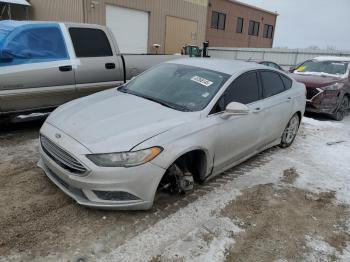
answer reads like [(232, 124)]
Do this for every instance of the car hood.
[(315, 81), (112, 121)]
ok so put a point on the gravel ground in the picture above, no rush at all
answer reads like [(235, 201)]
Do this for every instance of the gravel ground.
[(270, 208)]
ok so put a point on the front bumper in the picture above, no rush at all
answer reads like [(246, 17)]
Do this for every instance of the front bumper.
[(322, 103), (140, 182)]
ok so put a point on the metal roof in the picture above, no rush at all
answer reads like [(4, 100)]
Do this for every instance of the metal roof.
[(16, 2)]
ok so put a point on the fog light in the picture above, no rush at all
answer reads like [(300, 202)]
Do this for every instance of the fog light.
[(115, 195)]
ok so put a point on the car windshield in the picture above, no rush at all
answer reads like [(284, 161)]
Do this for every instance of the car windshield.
[(181, 87), (323, 67)]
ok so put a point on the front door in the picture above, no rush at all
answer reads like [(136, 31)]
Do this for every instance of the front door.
[(238, 136), (35, 69)]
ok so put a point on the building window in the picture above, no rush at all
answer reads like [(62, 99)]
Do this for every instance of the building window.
[(268, 31), (239, 27), (253, 28), (218, 20)]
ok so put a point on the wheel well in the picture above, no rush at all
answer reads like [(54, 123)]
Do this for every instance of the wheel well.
[(195, 162), (300, 116)]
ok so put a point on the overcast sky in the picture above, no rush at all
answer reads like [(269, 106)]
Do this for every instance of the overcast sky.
[(305, 23)]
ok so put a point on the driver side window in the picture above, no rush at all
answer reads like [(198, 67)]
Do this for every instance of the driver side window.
[(245, 89), (33, 45)]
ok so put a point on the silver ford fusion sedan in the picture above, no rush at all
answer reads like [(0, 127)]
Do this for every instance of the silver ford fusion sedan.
[(178, 123)]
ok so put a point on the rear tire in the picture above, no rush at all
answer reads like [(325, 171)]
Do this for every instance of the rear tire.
[(291, 131), (343, 108)]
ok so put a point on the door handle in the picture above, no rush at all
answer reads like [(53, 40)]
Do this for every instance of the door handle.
[(65, 68), (256, 110), (289, 99), (110, 65)]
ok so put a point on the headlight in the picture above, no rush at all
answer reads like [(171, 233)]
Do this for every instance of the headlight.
[(334, 87), (125, 159)]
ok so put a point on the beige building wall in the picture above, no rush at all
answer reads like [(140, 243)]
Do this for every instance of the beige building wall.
[(195, 10), (94, 11), (57, 10), (229, 37)]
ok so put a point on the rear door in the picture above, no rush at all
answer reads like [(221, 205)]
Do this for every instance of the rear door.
[(99, 65), (37, 71), (277, 105)]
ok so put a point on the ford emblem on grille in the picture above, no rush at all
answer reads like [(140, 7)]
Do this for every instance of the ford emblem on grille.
[(58, 136)]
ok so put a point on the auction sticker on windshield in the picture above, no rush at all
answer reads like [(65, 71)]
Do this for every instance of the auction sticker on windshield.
[(202, 81), (301, 68)]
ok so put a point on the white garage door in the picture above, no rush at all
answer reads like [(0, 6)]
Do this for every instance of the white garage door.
[(130, 28)]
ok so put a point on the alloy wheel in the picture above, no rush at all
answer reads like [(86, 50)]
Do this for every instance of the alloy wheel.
[(342, 109), (291, 131)]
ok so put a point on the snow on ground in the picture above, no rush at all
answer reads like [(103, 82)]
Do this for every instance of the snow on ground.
[(321, 157), (322, 250)]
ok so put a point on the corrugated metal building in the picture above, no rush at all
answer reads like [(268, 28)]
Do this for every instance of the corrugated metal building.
[(157, 17)]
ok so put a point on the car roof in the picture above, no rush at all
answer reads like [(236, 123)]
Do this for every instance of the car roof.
[(221, 65), (333, 58)]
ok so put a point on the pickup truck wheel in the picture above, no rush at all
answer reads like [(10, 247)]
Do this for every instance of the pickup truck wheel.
[(290, 132), (4, 122), (343, 108)]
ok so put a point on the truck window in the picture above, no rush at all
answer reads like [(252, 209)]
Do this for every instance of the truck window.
[(35, 44), (89, 42)]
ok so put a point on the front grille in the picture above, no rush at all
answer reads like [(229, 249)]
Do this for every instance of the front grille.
[(74, 190), (61, 157), (311, 92)]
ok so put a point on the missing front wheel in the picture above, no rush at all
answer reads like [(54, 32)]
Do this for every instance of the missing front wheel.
[(177, 181)]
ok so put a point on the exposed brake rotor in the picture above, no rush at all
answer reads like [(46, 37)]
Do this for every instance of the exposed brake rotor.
[(177, 181)]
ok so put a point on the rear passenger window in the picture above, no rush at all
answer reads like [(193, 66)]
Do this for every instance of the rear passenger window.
[(89, 42), (245, 89), (272, 83), (287, 82)]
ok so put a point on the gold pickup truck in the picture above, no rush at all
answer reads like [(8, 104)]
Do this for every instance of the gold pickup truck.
[(45, 64)]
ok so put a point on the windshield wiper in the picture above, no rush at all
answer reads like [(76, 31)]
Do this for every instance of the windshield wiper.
[(166, 104), (159, 101), (123, 89)]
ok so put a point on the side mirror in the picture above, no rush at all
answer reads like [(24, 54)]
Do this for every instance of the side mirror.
[(235, 108)]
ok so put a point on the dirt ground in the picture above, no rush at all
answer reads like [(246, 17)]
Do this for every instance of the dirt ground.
[(276, 220), (38, 221)]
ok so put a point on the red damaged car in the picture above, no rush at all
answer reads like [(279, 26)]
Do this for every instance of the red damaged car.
[(327, 81)]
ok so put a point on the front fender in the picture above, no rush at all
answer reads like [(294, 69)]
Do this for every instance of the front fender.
[(176, 144)]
